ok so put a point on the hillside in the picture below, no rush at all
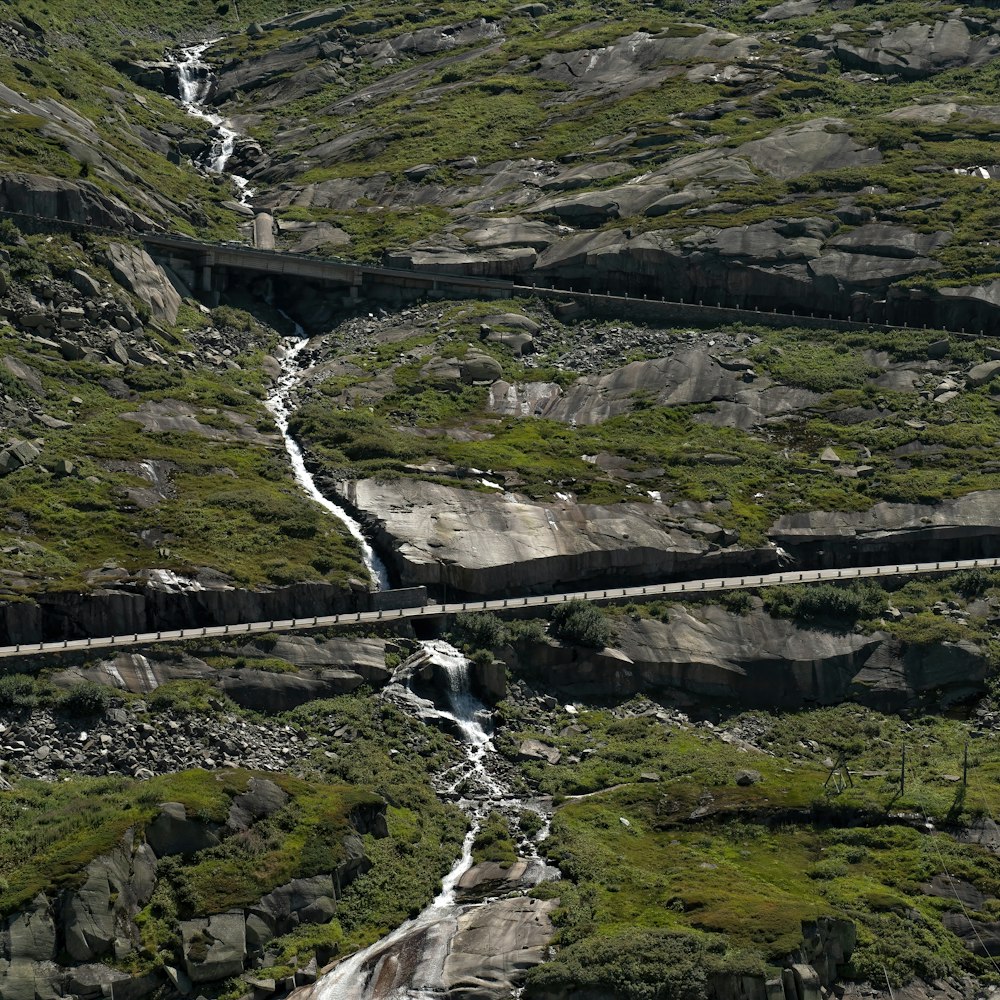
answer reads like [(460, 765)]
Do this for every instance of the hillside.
[(783, 794)]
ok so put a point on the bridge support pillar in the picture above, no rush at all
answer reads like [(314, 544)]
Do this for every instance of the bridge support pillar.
[(206, 264)]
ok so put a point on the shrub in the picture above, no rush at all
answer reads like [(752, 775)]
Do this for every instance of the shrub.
[(582, 624), (973, 582), (88, 698), (480, 631), (18, 691), (856, 601), (638, 965)]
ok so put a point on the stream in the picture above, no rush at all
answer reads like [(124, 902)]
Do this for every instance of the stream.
[(195, 81), (279, 403), (411, 963)]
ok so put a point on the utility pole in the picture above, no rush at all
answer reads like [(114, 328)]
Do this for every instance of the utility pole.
[(965, 766), (902, 773)]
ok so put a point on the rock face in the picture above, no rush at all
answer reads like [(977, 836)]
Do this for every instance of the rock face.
[(496, 945), (478, 544), (71, 201), (154, 605), (134, 269), (967, 527), (755, 660), (97, 920)]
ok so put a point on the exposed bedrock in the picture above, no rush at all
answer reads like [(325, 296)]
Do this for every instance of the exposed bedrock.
[(482, 544), (965, 528), (477, 544), (150, 608), (759, 661)]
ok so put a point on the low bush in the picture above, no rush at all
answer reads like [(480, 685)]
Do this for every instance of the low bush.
[(18, 691), (857, 601), (88, 698), (582, 624)]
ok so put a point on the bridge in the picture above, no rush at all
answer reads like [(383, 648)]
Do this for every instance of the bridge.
[(690, 588)]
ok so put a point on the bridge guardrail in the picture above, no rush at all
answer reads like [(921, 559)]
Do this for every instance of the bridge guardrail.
[(684, 587), (741, 313)]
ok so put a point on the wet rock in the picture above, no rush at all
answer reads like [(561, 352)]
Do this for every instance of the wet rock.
[(496, 945)]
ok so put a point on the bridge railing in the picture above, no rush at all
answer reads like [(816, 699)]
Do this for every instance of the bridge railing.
[(387, 615), (622, 302)]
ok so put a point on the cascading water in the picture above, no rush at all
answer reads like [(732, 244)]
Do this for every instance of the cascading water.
[(408, 964), (194, 82), (279, 403)]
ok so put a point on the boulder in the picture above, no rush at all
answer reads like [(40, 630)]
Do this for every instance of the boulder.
[(214, 947), (262, 798), (981, 374), (173, 833), (32, 933), (18, 455), (136, 271), (98, 917), (535, 750), (305, 900)]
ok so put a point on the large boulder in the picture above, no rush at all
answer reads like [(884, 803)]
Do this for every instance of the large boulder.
[(262, 798), (303, 900), (31, 934), (98, 917), (214, 947), (173, 833), (135, 270)]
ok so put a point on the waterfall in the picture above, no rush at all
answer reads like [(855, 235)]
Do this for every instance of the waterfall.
[(194, 83), (408, 964), (279, 403)]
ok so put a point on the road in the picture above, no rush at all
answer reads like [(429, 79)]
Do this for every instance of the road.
[(708, 586)]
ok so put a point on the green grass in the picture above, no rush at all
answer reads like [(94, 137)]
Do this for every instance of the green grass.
[(740, 868), (779, 471), (231, 503)]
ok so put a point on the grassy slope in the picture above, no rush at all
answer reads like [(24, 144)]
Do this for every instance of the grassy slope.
[(233, 505), (490, 104), (780, 471), (753, 862), (49, 832)]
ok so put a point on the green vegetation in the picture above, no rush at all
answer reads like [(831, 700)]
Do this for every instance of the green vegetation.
[(579, 623), (917, 451), (224, 497), (493, 841), (50, 832), (726, 872)]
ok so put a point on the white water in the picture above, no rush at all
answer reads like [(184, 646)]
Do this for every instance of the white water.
[(372, 973), (194, 81), (279, 403)]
